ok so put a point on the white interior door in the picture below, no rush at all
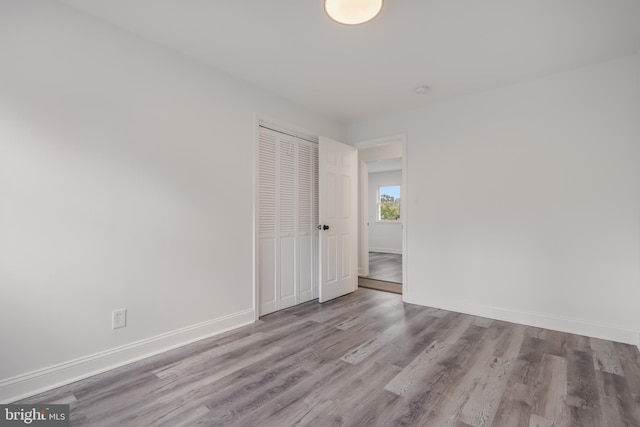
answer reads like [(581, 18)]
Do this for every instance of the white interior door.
[(338, 200)]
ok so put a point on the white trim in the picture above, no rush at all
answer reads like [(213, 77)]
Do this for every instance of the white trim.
[(41, 380), (256, 294), (400, 137), (404, 213), (540, 320), (284, 127), (386, 250), (363, 220)]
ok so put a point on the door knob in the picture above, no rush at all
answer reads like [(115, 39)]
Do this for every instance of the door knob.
[(325, 227)]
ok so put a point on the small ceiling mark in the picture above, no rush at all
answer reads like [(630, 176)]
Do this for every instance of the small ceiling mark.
[(422, 90)]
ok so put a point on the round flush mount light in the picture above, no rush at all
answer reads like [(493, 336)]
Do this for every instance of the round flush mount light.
[(421, 90), (353, 12)]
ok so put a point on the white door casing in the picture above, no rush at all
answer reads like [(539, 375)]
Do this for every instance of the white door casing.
[(363, 211), (338, 200)]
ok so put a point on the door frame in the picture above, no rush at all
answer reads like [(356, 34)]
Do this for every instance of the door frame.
[(363, 218), (362, 239)]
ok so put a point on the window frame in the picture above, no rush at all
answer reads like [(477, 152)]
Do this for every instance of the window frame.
[(379, 204)]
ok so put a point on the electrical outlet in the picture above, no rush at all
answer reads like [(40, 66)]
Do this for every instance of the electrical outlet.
[(119, 318)]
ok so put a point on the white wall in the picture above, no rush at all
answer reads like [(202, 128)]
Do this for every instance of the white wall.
[(126, 181), (524, 201), (383, 236)]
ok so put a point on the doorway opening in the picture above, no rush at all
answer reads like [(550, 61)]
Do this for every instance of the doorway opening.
[(382, 214)]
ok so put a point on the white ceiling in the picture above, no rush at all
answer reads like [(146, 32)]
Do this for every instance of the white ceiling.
[(290, 47)]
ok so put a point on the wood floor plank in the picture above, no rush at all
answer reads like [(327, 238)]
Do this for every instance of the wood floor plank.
[(480, 408), (411, 376), (382, 338), (556, 343), (359, 391), (616, 400), (184, 419), (341, 309), (436, 312), (226, 412), (384, 266), (360, 318), (424, 364), (508, 344), (582, 390), (421, 331), (538, 421), (463, 380), (630, 359), (378, 406), (550, 392), (529, 360), (605, 357), (180, 366), (578, 342), (482, 405), (483, 322), (515, 406), (123, 394), (305, 402), (368, 359), (436, 383), (197, 382)]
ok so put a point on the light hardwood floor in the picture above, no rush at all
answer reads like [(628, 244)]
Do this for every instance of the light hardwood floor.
[(367, 359)]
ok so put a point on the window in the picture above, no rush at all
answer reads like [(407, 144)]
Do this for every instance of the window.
[(389, 203)]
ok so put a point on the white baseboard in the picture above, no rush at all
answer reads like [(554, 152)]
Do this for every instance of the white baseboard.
[(41, 380), (386, 250), (539, 320)]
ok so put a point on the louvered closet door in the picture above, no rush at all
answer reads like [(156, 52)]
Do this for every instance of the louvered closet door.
[(287, 214), (307, 232), (287, 220), (267, 227)]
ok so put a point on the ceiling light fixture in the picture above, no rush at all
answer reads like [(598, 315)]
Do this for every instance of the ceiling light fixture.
[(352, 12)]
